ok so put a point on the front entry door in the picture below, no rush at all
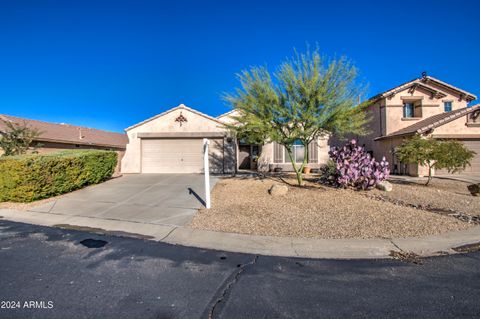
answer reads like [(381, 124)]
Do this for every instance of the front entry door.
[(244, 157)]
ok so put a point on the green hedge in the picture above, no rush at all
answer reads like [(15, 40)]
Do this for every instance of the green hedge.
[(27, 178)]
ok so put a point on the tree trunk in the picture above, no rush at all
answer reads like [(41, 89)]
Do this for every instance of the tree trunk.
[(297, 172), (429, 174)]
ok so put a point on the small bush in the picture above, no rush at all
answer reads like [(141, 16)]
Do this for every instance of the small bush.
[(328, 173), (451, 155), (26, 178), (357, 168)]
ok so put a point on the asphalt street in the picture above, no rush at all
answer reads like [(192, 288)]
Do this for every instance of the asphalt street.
[(56, 273)]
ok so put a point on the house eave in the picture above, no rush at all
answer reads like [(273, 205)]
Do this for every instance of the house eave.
[(386, 137), (419, 81), (51, 140)]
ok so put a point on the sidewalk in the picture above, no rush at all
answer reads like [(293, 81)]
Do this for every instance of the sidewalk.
[(263, 245)]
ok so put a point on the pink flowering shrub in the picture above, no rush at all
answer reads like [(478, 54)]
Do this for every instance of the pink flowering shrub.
[(357, 168)]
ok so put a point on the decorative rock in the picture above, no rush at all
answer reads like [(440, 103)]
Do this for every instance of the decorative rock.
[(385, 186), (474, 189), (278, 190)]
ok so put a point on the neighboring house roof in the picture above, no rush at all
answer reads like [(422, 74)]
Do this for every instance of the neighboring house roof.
[(432, 122), (226, 113), (69, 134), (423, 82), (180, 107)]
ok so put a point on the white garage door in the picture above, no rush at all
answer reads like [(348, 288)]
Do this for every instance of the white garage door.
[(172, 155)]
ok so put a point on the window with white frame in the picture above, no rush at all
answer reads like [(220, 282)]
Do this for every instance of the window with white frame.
[(298, 152), (280, 154)]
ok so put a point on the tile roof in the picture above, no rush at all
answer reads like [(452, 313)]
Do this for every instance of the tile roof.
[(432, 122), (226, 113), (70, 134), (424, 81)]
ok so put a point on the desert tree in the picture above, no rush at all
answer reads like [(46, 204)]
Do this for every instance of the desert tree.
[(17, 138), (451, 155), (307, 96)]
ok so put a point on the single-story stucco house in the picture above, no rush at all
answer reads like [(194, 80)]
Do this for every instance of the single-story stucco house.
[(171, 142), (60, 136)]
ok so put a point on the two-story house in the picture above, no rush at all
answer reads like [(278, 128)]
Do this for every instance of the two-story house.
[(424, 106)]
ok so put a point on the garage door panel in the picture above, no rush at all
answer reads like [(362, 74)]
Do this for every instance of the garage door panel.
[(180, 155), (172, 156)]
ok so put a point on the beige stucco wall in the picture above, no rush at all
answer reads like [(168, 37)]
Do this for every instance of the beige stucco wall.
[(376, 127), (457, 127), (165, 123), (430, 107), (385, 148), (265, 158), (222, 156), (323, 149)]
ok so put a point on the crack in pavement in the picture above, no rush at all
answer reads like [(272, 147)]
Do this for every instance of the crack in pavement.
[(394, 244), (54, 203), (405, 256), (229, 286), (294, 250), (169, 233)]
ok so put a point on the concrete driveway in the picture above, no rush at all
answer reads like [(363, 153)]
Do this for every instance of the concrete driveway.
[(166, 199)]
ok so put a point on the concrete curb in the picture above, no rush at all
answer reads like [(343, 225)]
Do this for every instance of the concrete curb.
[(262, 245)]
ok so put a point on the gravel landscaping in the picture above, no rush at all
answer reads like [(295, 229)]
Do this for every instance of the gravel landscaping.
[(243, 205), (442, 194)]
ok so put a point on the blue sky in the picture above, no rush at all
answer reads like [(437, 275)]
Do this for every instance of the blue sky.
[(111, 64)]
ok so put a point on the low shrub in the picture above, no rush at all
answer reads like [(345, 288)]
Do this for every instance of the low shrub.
[(26, 178), (451, 155), (328, 173), (356, 168)]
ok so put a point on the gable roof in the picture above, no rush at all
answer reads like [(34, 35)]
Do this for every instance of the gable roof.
[(180, 107), (423, 82), (226, 113), (69, 134), (432, 122)]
